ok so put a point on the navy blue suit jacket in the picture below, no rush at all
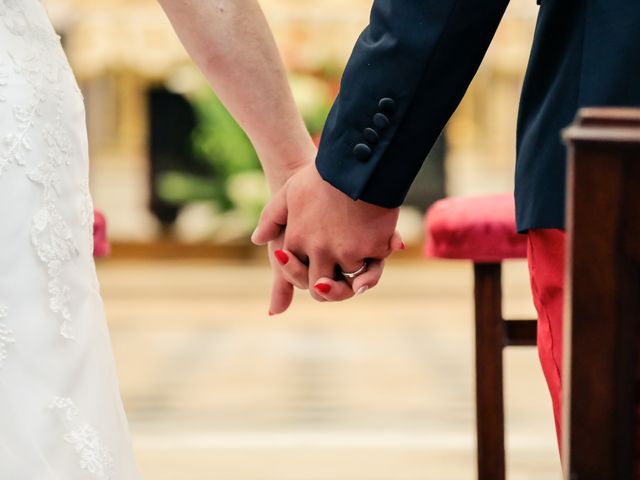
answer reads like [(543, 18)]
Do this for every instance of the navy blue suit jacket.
[(413, 63)]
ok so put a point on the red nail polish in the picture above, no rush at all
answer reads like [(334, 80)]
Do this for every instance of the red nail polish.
[(271, 313), (281, 256), (402, 246), (323, 288)]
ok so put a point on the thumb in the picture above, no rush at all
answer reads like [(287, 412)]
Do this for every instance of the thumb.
[(272, 219), (281, 295), (396, 243)]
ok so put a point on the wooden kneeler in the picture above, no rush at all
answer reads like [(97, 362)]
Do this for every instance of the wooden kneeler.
[(602, 321)]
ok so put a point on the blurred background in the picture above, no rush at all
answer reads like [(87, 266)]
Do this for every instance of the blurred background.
[(379, 388)]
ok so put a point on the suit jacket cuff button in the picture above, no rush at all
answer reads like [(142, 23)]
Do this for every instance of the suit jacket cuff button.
[(381, 121), (362, 151), (387, 105), (371, 136)]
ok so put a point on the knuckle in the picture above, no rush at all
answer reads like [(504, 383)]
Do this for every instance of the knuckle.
[(265, 215), (364, 249), (380, 249), (294, 277), (318, 250), (350, 254), (294, 240)]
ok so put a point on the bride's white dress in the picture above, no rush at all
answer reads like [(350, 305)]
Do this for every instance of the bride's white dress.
[(61, 415)]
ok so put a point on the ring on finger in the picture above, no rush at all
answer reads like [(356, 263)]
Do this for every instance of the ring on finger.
[(351, 275)]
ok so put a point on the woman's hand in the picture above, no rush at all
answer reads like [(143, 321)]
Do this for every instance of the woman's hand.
[(329, 230), (284, 281)]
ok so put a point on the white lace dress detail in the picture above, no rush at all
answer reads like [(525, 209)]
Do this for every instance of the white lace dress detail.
[(94, 457), (6, 335), (61, 416)]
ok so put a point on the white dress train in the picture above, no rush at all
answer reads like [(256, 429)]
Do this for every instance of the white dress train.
[(61, 416)]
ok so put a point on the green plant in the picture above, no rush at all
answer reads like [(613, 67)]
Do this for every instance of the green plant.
[(235, 180), (219, 140), (219, 143)]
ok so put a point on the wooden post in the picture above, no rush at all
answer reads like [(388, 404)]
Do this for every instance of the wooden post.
[(489, 396), (602, 308)]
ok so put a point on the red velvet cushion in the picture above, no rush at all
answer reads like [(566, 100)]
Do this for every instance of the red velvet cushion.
[(101, 247), (482, 229)]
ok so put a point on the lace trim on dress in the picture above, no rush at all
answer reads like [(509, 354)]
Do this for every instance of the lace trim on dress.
[(32, 65), (95, 458), (17, 22), (4, 76), (86, 211), (50, 234), (6, 335)]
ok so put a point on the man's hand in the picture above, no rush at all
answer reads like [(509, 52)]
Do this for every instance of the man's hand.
[(328, 231)]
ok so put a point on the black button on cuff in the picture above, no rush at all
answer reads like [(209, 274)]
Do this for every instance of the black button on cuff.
[(381, 121), (362, 151), (387, 105), (370, 135)]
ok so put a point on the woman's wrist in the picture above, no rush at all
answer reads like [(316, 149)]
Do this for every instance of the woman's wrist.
[(279, 175), (280, 164)]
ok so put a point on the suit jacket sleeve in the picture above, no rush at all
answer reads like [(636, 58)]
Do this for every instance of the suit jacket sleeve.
[(407, 73)]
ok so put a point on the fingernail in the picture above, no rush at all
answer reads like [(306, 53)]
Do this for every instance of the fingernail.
[(281, 256), (271, 314), (362, 289), (323, 288), (402, 246)]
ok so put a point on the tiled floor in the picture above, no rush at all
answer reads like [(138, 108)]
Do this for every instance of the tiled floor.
[(379, 388)]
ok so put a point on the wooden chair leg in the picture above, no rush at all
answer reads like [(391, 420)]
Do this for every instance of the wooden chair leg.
[(489, 380)]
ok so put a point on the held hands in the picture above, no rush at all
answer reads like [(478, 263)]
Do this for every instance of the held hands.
[(315, 231)]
